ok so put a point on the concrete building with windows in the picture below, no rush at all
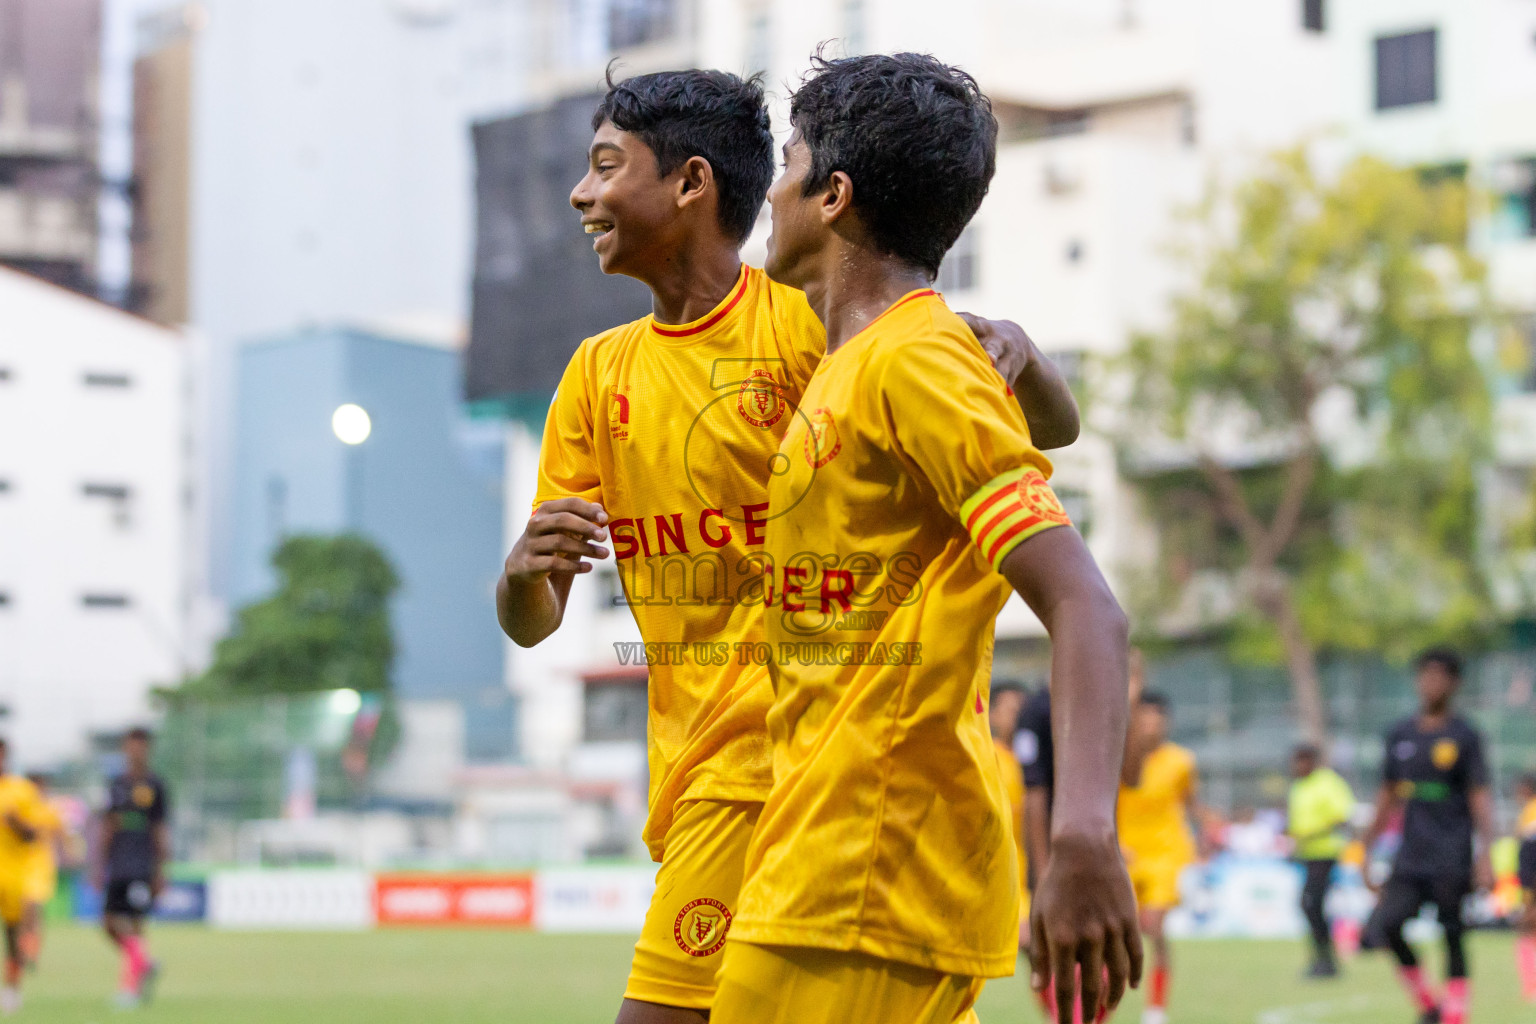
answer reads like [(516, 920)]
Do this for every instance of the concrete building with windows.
[(49, 59), (98, 596), (1114, 114)]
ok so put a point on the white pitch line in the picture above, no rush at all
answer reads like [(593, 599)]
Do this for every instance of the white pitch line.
[(1315, 1013)]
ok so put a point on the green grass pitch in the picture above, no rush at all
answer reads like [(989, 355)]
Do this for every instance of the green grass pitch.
[(469, 977)]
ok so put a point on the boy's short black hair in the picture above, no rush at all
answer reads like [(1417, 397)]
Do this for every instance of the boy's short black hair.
[(139, 733), (917, 137), (1444, 657), (1310, 751), (1528, 781), (1155, 699), (712, 114)]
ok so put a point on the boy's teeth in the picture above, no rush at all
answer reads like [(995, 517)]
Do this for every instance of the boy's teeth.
[(597, 229)]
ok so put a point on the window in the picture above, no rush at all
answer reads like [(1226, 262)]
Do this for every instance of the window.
[(637, 22), (1312, 17), (106, 600), (959, 271), (1405, 69), (114, 492), (5, 599), (1514, 188), (614, 710), (5, 486), (108, 380), (5, 374)]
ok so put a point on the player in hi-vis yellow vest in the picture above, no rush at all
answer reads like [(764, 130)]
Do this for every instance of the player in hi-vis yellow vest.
[(660, 442), (882, 878)]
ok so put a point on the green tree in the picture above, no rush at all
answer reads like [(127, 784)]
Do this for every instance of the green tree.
[(1319, 416), (326, 627)]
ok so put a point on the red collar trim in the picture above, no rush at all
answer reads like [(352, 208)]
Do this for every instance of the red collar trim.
[(709, 321)]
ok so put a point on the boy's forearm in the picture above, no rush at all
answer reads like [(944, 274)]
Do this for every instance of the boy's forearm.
[(527, 612), (1088, 712), (1049, 406)]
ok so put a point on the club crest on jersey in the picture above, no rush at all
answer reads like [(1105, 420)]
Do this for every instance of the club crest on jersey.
[(1444, 754), (143, 794), (821, 442), (701, 927), (760, 400), (618, 413)]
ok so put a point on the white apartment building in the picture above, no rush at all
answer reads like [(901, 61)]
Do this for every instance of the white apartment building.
[(1114, 113), (95, 600)]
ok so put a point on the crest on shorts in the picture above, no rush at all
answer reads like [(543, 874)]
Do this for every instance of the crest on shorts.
[(760, 400), (1444, 754), (821, 441), (701, 927)]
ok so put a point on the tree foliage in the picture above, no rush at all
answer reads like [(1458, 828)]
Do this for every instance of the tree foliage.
[(326, 627), (1322, 415)]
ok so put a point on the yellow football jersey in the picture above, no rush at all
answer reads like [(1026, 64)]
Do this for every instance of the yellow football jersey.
[(672, 429), (905, 480), (17, 795), (40, 859), (1152, 820)]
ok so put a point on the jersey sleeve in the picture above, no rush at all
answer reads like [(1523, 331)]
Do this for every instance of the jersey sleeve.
[(1477, 763), (954, 421), (567, 455), (1389, 772)]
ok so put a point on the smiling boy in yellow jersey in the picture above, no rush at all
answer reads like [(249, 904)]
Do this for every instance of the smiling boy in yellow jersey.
[(660, 440), (20, 807), (882, 880), (1159, 801)]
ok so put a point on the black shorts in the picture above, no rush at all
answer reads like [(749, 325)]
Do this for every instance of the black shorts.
[(129, 897), (1528, 865)]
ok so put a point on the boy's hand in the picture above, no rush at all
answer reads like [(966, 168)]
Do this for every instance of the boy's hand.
[(1083, 926), (1005, 342), (558, 538)]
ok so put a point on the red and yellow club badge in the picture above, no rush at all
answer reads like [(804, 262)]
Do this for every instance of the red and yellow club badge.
[(1040, 499), (821, 442), (760, 400), (701, 927)]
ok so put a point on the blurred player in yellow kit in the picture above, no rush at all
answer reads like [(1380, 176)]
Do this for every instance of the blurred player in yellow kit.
[(41, 870), (660, 441), (1158, 813), (1007, 703), (882, 881), (20, 810)]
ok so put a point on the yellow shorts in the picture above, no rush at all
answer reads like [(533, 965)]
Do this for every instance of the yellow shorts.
[(803, 985), (1156, 883), (683, 940)]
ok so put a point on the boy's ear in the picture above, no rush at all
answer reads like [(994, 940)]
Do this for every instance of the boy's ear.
[(695, 178), (837, 200)]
